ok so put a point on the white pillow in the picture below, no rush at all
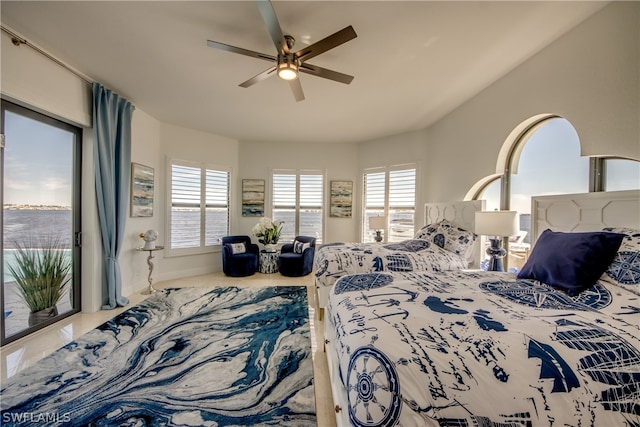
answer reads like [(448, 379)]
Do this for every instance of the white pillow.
[(238, 248)]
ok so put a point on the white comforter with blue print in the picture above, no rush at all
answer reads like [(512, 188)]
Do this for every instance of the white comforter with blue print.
[(334, 260), (485, 349)]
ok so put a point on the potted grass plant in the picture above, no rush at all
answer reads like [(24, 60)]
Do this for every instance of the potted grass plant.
[(42, 273)]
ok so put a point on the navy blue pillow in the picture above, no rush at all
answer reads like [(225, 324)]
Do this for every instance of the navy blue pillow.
[(572, 262)]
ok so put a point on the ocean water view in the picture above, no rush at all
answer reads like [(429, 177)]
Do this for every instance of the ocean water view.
[(31, 226), (186, 225), (24, 225), (28, 226)]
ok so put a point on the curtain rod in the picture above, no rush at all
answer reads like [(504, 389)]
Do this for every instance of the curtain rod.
[(17, 40)]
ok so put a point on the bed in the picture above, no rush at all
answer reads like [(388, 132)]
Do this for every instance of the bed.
[(463, 348), (449, 244)]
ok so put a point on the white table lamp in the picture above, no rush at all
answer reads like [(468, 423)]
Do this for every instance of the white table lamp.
[(496, 224), (378, 223)]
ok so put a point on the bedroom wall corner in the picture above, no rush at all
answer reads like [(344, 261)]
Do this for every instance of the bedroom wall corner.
[(594, 87), (258, 159), (405, 148), (30, 79), (196, 146), (145, 150)]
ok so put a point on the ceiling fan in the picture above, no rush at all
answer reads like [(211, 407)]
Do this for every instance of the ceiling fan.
[(288, 64)]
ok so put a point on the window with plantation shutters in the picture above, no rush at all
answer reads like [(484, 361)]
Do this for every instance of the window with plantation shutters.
[(298, 201), (199, 215), (217, 207), (390, 192), (375, 189), (402, 204)]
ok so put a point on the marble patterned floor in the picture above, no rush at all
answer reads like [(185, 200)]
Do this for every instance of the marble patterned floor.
[(23, 353)]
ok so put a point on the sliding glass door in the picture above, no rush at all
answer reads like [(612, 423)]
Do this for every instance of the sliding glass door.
[(40, 220)]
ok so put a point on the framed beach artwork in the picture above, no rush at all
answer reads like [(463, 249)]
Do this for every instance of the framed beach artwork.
[(253, 197), (141, 190), (341, 199)]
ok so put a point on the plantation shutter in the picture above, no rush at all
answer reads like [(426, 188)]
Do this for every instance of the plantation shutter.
[(390, 193), (185, 206), (199, 206), (284, 204), (298, 199), (402, 204), (374, 200), (217, 207), (311, 196)]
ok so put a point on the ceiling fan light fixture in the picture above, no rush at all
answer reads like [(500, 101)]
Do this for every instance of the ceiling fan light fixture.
[(287, 69), (288, 62)]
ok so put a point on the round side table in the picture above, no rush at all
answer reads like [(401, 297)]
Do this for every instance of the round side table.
[(268, 262)]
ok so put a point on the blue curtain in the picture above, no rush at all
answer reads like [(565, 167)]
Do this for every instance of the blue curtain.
[(112, 161)]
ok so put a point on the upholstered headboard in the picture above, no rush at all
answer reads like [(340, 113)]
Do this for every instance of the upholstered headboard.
[(585, 212), (460, 213)]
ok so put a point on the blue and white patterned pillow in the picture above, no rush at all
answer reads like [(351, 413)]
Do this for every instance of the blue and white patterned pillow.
[(449, 237), (624, 271), (300, 247)]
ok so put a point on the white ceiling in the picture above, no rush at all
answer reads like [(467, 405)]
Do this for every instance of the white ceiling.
[(413, 61)]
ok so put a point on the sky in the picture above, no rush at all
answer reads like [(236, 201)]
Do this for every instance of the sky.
[(550, 163), (37, 162)]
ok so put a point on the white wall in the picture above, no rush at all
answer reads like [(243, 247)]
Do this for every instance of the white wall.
[(145, 150), (589, 76), (30, 79), (27, 78), (259, 159), (405, 148), (187, 144)]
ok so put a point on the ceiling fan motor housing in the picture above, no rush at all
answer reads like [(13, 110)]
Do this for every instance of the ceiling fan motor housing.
[(290, 41)]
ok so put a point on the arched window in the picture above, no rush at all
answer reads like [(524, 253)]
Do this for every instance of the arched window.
[(542, 157), (545, 160)]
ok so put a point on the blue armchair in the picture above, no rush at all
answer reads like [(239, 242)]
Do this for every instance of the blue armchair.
[(239, 256), (296, 259)]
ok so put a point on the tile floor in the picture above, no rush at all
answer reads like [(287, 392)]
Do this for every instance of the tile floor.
[(23, 353)]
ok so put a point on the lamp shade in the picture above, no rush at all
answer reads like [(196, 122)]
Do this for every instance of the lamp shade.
[(377, 222), (497, 223)]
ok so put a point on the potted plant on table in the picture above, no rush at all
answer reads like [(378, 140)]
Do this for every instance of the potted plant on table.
[(268, 233), (42, 273)]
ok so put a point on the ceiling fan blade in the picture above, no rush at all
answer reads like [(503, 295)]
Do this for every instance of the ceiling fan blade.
[(335, 39), (325, 73), (240, 50), (257, 78), (296, 88), (270, 18)]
